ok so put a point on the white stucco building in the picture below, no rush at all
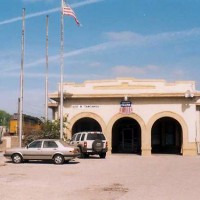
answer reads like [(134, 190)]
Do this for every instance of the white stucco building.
[(137, 116)]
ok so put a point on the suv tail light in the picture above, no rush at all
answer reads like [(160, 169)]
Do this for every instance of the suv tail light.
[(85, 144), (106, 144)]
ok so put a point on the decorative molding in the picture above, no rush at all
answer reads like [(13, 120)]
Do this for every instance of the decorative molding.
[(124, 85)]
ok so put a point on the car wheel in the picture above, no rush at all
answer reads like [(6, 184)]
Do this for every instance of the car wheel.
[(17, 158), (97, 145), (58, 159), (102, 155)]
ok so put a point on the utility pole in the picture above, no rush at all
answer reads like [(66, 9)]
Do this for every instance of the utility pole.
[(47, 66), (21, 81), (61, 72)]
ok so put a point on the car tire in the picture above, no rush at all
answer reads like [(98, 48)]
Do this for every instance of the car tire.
[(97, 145), (58, 159), (17, 158), (102, 155)]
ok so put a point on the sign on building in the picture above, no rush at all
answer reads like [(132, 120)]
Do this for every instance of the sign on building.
[(126, 107)]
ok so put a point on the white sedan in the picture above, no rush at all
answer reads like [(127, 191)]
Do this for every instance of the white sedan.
[(44, 149)]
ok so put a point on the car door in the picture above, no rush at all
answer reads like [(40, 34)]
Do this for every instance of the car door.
[(33, 151), (48, 149)]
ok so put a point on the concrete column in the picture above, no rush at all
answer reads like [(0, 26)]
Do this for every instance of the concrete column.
[(146, 142)]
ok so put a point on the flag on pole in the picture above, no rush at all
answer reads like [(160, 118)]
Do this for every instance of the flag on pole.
[(66, 10)]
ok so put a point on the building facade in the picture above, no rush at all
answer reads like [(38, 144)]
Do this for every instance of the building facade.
[(137, 116)]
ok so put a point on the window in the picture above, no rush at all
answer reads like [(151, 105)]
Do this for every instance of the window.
[(82, 137), (73, 138), (35, 144), (78, 137), (50, 144), (93, 136)]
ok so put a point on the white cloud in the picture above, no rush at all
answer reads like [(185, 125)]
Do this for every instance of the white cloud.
[(133, 70), (28, 75), (95, 48), (45, 12), (138, 39), (117, 39), (35, 1), (31, 1), (95, 64)]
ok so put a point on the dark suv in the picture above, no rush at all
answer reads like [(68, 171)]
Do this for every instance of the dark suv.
[(90, 143)]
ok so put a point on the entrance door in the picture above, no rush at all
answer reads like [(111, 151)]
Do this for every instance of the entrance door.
[(166, 136), (127, 140), (126, 136)]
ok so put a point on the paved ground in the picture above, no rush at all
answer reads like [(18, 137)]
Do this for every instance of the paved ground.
[(118, 177)]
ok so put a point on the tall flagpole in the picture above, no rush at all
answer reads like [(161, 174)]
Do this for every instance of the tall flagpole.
[(47, 66), (21, 81), (61, 72)]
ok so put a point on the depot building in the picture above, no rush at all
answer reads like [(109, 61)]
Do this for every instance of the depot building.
[(137, 116)]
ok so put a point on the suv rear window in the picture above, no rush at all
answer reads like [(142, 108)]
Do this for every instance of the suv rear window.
[(94, 136)]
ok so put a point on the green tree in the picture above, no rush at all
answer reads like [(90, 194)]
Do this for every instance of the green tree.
[(4, 118), (49, 130)]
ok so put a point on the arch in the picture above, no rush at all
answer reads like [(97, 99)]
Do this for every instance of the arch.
[(166, 136), (80, 116), (172, 115), (118, 116), (126, 136)]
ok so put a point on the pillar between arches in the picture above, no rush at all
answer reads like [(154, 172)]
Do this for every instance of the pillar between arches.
[(146, 143)]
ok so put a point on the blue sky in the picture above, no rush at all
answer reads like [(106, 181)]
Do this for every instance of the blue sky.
[(147, 39)]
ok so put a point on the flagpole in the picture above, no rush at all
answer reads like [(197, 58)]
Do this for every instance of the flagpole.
[(21, 81), (47, 66), (61, 72)]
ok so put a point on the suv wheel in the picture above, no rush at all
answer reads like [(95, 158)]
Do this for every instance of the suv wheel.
[(97, 145)]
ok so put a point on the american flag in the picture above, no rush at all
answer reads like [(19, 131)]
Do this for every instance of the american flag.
[(66, 10), (125, 108)]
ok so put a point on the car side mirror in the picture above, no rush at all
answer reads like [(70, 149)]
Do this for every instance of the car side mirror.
[(27, 146)]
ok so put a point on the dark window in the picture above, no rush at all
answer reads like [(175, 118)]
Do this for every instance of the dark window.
[(82, 137), (94, 136), (50, 144), (78, 137), (35, 144), (73, 138)]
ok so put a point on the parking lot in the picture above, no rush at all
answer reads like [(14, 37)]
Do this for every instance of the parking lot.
[(118, 176)]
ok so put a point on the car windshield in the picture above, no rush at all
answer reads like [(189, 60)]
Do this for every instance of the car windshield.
[(94, 136)]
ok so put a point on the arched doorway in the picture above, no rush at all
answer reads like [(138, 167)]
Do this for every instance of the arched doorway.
[(126, 136), (86, 124), (166, 136)]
